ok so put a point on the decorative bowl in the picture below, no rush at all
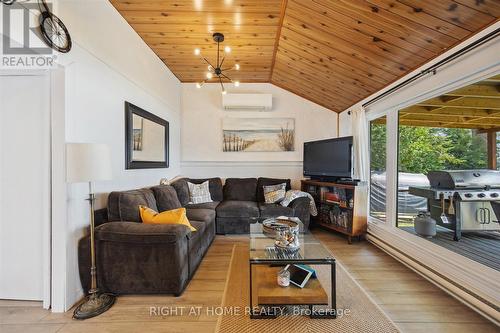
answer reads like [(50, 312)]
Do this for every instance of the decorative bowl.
[(270, 226)]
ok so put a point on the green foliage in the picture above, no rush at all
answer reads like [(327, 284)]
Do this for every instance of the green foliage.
[(378, 146), (422, 149), (469, 148)]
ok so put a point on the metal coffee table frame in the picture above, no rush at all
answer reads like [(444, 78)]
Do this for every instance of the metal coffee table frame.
[(307, 241)]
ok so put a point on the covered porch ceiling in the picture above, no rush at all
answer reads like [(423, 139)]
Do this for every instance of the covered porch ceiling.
[(476, 106)]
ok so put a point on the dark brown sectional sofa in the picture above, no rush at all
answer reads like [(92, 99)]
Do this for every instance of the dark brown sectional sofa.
[(137, 258)]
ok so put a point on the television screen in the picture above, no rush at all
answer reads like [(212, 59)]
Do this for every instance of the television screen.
[(328, 158)]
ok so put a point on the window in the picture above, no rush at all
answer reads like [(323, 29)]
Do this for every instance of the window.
[(423, 149), (378, 144)]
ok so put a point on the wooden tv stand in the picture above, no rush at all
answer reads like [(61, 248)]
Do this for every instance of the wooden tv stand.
[(348, 215)]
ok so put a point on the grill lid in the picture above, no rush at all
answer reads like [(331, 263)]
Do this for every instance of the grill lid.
[(456, 179)]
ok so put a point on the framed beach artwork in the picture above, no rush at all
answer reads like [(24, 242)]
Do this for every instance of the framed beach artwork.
[(258, 134)]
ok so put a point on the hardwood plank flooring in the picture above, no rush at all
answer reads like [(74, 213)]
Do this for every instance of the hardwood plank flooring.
[(412, 302)]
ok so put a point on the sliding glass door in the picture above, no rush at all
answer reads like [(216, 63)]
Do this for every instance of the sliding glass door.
[(378, 175)]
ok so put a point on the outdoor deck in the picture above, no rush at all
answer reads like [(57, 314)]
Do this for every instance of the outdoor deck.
[(483, 247)]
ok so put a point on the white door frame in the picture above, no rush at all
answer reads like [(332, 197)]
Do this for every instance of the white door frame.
[(54, 233), (59, 191)]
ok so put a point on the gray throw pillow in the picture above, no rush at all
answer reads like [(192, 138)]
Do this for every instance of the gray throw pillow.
[(274, 193), (199, 193)]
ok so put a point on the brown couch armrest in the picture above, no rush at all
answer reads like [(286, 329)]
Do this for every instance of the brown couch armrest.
[(134, 232)]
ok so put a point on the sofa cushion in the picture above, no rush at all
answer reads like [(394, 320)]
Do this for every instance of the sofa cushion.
[(124, 206), (174, 216), (274, 210), (237, 208), (235, 225), (200, 228), (261, 182), (199, 193), (243, 189), (274, 193), (182, 189), (166, 197), (214, 185), (197, 246), (202, 215), (207, 205)]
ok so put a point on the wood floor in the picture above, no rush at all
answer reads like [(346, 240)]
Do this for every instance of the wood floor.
[(413, 303)]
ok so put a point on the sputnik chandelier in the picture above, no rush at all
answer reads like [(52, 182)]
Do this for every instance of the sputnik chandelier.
[(217, 72)]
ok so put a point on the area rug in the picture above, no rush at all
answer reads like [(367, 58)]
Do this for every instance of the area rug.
[(363, 314)]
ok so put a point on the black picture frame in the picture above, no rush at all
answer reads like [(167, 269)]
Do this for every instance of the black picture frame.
[(130, 110)]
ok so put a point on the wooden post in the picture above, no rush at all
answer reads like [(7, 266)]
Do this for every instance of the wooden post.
[(492, 150)]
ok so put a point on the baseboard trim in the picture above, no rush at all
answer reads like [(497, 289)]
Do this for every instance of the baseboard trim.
[(465, 296)]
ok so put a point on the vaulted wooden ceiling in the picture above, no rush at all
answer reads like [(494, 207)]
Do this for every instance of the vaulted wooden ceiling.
[(332, 52)]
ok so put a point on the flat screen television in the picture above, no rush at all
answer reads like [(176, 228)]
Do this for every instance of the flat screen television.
[(329, 159)]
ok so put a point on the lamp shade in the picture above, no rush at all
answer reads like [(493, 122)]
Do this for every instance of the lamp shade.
[(86, 162)]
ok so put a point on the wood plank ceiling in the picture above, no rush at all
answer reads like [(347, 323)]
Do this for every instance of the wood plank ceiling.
[(476, 106), (332, 52)]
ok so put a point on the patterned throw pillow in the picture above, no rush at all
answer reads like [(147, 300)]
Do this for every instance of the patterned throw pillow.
[(199, 193), (274, 193)]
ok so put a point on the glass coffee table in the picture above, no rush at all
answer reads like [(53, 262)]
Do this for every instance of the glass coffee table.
[(268, 299)]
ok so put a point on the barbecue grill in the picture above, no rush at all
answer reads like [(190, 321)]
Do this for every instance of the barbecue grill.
[(463, 200)]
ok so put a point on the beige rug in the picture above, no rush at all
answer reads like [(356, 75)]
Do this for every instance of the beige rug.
[(364, 315)]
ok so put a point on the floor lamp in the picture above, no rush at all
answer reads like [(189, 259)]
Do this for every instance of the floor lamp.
[(89, 162)]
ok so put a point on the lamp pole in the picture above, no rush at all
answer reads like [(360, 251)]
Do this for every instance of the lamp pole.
[(88, 162)]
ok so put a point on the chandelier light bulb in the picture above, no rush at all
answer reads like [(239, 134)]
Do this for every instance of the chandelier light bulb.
[(209, 68), (209, 75), (198, 85), (197, 51), (237, 67), (227, 49), (236, 83), (224, 92)]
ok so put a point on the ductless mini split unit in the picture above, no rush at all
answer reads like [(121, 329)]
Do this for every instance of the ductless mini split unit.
[(250, 102)]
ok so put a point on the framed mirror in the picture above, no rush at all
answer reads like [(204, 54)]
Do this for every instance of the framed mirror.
[(146, 139)]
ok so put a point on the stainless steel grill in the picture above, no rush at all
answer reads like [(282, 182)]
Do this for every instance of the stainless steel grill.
[(463, 200)]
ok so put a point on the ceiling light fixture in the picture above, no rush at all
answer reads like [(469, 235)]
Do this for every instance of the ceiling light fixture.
[(217, 71)]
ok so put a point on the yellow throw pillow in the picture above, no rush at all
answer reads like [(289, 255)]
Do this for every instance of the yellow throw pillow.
[(174, 216)]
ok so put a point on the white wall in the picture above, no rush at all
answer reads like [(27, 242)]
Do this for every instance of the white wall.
[(345, 124), (202, 115), (108, 65)]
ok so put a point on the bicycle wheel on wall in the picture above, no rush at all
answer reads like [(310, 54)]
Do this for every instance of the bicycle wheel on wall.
[(55, 33)]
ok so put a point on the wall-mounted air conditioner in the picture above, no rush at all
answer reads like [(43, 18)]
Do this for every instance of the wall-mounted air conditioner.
[(247, 102)]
